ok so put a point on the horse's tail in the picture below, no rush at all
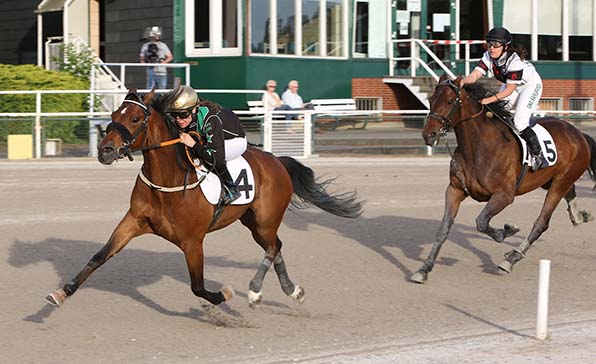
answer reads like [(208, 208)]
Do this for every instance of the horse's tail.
[(592, 165), (311, 191)]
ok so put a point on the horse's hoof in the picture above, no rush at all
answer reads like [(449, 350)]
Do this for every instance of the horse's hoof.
[(56, 298), (254, 298), (506, 266), (298, 294), (510, 230), (228, 292), (419, 277), (586, 216)]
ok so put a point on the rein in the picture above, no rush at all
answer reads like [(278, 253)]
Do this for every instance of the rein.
[(446, 121), (129, 139)]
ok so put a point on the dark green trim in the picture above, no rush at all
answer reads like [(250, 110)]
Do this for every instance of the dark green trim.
[(570, 70)]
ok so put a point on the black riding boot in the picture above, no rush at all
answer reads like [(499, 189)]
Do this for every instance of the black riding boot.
[(538, 159), (231, 192)]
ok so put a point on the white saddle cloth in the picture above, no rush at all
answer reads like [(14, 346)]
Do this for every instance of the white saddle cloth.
[(549, 150), (242, 176)]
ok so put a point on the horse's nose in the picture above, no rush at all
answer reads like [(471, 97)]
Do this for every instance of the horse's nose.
[(106, 154), (106, 149), (429, 138)]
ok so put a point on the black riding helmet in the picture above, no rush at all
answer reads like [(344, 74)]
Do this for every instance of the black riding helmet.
[(499, 34)]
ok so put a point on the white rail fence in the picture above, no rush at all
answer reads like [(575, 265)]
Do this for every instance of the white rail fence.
[(279, 136), (285, 137)]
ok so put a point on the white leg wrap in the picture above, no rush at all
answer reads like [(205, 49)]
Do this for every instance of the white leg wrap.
[(254, 298), (298, 294)]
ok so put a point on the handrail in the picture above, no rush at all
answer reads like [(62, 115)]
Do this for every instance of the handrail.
[(416, 44)]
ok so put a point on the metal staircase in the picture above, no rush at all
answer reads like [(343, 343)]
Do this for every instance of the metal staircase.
[(102, 79), (424, 67)]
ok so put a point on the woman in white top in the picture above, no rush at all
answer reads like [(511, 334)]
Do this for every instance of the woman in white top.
[(271, 100), (522, 85)]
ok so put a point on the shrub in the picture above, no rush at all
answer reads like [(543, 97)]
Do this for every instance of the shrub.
[(30, 77)]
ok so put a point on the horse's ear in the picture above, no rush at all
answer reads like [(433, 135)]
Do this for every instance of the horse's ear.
[(132, 90), (443, 77), (149, 97), (457, 80)]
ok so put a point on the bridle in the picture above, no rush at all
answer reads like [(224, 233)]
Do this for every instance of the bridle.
[(125, 149), (128, 138), (446, 121)]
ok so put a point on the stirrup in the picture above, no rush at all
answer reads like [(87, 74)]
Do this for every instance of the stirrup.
[(230, 196), (539, 162)]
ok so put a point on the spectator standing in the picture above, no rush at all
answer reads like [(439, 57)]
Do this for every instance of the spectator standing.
[(156, 51)]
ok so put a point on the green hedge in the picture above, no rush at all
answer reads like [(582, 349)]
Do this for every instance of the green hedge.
[(30, 77)]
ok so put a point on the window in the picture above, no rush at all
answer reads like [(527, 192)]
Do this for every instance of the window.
[(334, 29), (259, 37), (361, 29), (311, 27), (299, 27), (214, 26), (550, 103), (370, 29), (581, 104), (369, 103), (286, 25)]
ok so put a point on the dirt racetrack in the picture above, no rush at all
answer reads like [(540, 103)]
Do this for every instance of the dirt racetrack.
[(359, 308)]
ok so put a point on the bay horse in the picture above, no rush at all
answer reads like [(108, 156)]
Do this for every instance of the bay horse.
[(184, 216), (486, 165)]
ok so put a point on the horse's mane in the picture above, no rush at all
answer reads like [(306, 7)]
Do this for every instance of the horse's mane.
[(159, 104), (480, 90)]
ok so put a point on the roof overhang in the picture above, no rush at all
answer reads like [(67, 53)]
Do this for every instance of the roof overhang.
[(50, 5)]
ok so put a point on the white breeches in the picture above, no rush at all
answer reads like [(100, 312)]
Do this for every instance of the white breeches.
[(235, 147), (524, 100)]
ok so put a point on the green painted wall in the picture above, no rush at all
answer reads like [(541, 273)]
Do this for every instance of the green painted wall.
[(318, 78), (570, 70)]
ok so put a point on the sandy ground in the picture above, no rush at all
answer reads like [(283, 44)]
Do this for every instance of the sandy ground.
[(360, 307)]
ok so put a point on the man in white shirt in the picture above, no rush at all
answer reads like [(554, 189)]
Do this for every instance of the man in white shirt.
[(291, 97)]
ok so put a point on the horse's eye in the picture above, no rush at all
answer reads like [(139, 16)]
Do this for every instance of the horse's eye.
[(135, 120), (450, 101)]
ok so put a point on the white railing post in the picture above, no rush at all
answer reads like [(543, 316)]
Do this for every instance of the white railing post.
[(412, 58), (467, 61), (123, 74), (542, 310), (267, 132), (38, 125), (307, 134)]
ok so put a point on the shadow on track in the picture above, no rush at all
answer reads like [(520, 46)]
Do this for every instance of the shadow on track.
[(410, 235), (139, 268)]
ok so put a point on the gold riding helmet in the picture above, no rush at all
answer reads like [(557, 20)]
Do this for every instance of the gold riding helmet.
[(184, 100)]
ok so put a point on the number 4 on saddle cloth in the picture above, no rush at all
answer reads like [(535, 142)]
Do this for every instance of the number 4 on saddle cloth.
[(547, 144), (241, 174)]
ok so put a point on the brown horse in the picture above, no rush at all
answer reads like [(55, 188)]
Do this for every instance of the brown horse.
[(486, 166), (184, 216)]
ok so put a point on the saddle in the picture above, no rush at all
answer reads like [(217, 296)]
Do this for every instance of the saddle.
[(547, 143), (242, 175)]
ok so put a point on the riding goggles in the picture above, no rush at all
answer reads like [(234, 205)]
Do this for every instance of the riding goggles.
[(181, 114), (494, 44)]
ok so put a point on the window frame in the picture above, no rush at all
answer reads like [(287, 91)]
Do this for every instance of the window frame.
[(356, 54), (215, 31)]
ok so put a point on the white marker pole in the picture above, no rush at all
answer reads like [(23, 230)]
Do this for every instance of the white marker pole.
[(542, 312)]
